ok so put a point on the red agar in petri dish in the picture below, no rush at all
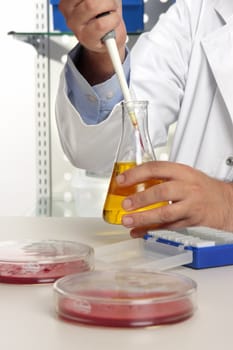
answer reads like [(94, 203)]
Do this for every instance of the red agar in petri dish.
[(34, 262), (125, 298)]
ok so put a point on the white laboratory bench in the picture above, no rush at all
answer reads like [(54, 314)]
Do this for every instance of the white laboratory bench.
[(28, 319)]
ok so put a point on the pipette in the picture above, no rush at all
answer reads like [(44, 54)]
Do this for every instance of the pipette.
[(110, 42)]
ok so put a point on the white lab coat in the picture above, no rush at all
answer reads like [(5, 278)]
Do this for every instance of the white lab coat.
[(184, 68)]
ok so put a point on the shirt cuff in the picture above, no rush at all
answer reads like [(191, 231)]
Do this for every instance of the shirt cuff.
[(94, 103)]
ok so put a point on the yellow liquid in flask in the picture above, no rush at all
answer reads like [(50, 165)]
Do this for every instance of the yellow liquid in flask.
[(113, 211)]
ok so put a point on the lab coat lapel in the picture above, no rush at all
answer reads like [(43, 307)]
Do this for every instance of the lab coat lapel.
[(218, 47), (224, 8)]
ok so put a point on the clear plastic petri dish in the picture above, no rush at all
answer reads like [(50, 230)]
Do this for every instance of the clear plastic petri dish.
[(129, 298), (31, 262)]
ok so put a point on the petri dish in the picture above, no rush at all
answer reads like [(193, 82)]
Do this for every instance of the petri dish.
[(126, 298), (31, 262)]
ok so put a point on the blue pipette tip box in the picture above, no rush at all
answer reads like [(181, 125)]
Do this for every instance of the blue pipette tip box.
[(215, 250)]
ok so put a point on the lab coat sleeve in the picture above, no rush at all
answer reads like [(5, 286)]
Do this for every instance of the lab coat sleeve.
[(91, 147), (94, 103)]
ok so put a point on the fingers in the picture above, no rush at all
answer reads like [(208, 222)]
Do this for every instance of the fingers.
[(83, 18), (156, 170), (87, 8), (67, 6), (163, 215), (163, 222), (197, 199), (94, 29), (166, 191), (181, 188)]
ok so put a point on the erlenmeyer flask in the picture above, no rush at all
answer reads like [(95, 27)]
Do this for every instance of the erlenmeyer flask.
[(134, 148)]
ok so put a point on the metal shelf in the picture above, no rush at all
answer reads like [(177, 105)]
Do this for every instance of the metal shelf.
[(41, 43), (50, 49)]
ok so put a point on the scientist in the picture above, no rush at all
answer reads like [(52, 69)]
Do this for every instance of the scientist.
[(184, 68)]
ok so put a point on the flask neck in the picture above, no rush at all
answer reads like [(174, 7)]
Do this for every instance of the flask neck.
[(135, 144)]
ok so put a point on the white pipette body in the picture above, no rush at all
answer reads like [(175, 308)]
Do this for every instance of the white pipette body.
[(110, 42)]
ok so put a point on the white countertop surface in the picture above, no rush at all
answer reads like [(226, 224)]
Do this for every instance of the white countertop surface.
[(28, 320)]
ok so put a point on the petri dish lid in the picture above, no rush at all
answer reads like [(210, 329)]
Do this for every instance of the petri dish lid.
[(29, 262), (145, 254), (129, 298)]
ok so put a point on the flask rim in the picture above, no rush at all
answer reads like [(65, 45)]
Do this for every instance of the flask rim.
[(135, 103)]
